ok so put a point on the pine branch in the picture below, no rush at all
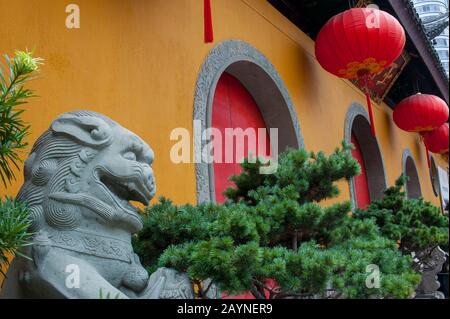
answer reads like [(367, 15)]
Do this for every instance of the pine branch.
[(274, 229), (14, 234)]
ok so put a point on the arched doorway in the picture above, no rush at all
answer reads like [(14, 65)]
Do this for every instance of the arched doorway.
[(371, 183), (234, 108), (239, 87), (257, 75), (412, 188)]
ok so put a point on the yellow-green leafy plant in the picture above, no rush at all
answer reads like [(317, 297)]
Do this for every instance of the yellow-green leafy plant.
[(13, 95), (14, 221)]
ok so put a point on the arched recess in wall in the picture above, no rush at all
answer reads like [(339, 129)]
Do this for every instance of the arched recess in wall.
[(259, 77), (371, 184), (409, 169), (434, 177)]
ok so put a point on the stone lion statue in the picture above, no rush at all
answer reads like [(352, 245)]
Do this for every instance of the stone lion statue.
[(80, 177), (429, 262)]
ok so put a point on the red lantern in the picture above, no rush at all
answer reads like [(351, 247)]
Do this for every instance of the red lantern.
[(437, 140), (420, 113), (358, 44)]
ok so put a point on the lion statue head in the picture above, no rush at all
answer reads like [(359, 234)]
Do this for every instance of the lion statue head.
[(84, 170)]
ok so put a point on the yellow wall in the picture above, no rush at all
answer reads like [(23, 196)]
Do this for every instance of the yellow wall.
[(138, 61)]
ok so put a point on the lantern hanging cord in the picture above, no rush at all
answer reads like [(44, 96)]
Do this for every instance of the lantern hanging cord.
[(417, 86), (365, 85)]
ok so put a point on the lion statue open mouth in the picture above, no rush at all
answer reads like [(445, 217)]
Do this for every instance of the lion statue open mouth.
[(80, 178)]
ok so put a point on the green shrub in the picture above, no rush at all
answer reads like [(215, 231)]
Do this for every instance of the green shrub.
[(14, 224), (414, 223), (273, 227)]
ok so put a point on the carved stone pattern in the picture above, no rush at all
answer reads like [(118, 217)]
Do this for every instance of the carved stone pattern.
[(431, 261), (93, 245), (180, 288)]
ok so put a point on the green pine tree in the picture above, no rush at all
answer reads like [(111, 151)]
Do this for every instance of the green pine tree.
[(414, 223), (273, 228)]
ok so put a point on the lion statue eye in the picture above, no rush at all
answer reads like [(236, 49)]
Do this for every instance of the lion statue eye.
[(130, 156)]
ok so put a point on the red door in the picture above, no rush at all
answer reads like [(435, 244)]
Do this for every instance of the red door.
[(360, 181), (234, 107)]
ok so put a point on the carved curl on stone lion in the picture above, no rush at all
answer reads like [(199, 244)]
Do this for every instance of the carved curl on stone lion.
[(79, 179)]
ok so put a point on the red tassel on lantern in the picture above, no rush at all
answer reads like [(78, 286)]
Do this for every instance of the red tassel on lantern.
[(209, 34)]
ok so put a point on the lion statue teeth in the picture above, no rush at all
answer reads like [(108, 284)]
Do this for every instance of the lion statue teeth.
[(80, 177)]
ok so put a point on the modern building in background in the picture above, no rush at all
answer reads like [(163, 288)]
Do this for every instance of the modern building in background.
[(435, 17)]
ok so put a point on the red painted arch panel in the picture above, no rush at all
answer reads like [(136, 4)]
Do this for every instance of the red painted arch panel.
[(234, 107), (360, 181)]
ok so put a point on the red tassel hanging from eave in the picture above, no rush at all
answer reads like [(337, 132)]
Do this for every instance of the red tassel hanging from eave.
[(372, 123), (209, 34)]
